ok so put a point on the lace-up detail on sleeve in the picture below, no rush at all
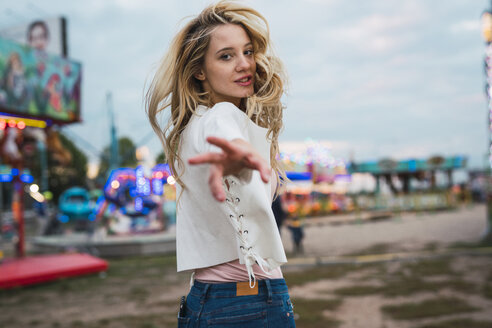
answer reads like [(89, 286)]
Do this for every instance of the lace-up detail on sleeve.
[(238, 221)]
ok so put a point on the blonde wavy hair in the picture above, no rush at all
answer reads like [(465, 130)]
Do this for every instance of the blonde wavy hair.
[(174, 85)]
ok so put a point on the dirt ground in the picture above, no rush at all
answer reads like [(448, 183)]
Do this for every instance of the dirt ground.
[(144, 292), (461, 278), (345, 234)]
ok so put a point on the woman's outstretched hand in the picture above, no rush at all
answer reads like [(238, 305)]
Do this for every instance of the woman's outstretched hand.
[(236, 156)]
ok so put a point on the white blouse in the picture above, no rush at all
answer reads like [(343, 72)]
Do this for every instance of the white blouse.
[(243, 227)]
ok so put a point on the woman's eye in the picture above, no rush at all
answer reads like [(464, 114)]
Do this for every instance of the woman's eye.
[(248, 52), (225, 56)]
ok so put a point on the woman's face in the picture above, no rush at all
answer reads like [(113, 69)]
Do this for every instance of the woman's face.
[(38, 38), (229, 66)]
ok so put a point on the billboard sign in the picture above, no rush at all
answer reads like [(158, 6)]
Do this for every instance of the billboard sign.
[(47, 35), (36, 84)]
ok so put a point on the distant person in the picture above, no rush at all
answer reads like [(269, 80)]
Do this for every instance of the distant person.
[(278, 212), (296, 224), (38, 35), (296, 228)]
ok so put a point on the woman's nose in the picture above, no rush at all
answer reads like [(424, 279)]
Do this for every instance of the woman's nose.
[(243, 63)]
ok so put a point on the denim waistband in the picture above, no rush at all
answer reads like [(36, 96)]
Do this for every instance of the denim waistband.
[(228, 289)]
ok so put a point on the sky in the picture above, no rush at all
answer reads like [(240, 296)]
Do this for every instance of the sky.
[(372, 79)]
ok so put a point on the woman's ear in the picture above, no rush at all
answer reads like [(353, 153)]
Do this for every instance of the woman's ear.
[(200, 75)]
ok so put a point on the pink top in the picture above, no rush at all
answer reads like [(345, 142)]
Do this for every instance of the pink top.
[(233, 272)]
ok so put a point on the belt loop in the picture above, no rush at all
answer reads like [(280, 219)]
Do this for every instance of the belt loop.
[(203, 297), (269, 290)]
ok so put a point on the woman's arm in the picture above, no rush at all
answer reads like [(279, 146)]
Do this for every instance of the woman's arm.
[(237, 155)]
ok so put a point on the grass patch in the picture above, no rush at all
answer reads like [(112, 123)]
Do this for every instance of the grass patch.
[(77, 324), (311, 313), (324, 322), (379, 248), (358, 290), (431, 246), (142, 266), (139, 293), (401, 286), (35, 323), (409, 286), (406, 287), (433, 267), (38, 293), (462, 244), (296, 278), (317, 273), (458, 285), (16, 297), (429, 308), (167, 303), (468, 323), (487, 291), (129, 321)]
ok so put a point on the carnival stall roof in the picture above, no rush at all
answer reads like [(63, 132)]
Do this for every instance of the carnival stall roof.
[(406, 170), (385, 166)]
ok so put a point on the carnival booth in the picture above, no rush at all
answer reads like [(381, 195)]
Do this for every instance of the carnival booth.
[(134, 203), (419, 184), (318, 180)]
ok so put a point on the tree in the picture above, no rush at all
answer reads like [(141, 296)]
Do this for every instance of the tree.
[(161, 158), (66, 163), (126, 154), (62, 177)]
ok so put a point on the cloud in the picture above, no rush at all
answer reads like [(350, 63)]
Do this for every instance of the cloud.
[(375, 33), (466, 26)]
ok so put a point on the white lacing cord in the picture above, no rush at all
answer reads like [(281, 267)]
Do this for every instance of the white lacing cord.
[(236, 219), (192, 279), (250, 258)]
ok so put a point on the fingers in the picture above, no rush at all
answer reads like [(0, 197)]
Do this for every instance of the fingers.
[(236, 156), (213, 157), (215, 183), (224, 144), (206, 158), (256, 163), (265, 174)]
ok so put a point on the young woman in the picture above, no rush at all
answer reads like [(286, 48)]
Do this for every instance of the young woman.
[(222, 84)]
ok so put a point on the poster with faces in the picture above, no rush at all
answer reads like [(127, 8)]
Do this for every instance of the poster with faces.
[(47, 35)]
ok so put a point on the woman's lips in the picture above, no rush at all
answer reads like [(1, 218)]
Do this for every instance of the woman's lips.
[(245, 81)]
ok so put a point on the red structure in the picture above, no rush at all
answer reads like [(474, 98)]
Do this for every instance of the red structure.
[(34, 270)]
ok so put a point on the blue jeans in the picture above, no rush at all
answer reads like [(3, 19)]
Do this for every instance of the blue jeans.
[(216, 305)]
